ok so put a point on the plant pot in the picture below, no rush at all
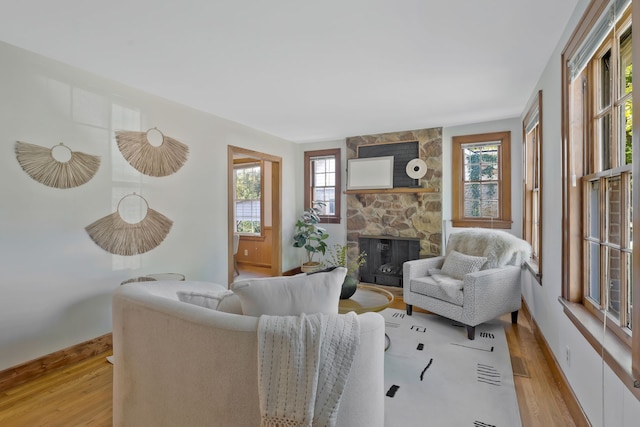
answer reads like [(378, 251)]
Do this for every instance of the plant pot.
[(310, 267), (349, 287)]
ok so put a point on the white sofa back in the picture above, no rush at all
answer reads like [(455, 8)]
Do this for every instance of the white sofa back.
[(180, 364)]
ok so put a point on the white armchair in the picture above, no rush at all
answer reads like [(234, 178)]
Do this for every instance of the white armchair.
[(478, 279)]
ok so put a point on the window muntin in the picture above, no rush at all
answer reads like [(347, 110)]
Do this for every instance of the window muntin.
[(322, 182), (481, 171), (247, 195)]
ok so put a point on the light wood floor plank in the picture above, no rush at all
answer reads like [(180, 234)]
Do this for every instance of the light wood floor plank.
[(79, 395)]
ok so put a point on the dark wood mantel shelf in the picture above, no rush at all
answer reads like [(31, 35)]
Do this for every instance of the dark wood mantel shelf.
[(392, 190)]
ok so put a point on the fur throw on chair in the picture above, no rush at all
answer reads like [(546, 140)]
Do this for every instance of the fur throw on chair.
[(499, 247)]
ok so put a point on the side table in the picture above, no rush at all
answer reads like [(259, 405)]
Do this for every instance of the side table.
[(367, 298)]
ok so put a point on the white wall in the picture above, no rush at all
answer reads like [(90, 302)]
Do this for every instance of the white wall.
[(56, 284), (585, 372)]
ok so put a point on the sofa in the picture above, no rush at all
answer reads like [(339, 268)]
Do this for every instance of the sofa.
[(180, 364)]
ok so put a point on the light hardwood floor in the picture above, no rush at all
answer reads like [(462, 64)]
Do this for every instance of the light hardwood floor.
[(80, 395)]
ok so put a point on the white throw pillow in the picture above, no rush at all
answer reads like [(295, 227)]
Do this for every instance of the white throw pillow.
[(211, 299), (457, 265), (291, 295)]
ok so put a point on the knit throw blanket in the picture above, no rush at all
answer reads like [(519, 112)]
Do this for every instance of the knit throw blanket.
[(303, 366)]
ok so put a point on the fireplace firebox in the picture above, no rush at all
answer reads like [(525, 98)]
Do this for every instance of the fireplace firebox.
[(385, 256)]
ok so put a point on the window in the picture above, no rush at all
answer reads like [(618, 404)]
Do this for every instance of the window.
[(532, 167), (322, 183), (482, 180), (247, 180), (598, 163), (607, 182)]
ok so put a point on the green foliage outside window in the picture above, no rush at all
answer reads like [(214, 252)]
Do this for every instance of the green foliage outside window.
[(247, 199), (248, 227), (480, 194), (248, 183), (628, 116)]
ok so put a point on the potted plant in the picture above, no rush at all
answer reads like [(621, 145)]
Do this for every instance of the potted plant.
[(338, 257), (310, 236)]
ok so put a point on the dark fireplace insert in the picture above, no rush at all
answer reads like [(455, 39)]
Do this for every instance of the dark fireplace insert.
[(385, 256)]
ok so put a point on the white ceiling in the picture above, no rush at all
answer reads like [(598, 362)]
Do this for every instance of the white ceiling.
[(308, 70)]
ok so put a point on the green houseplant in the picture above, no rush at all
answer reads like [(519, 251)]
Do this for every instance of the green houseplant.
[(310, 236), (338, 257)]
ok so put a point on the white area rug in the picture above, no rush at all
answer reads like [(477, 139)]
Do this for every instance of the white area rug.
[(435, 376)]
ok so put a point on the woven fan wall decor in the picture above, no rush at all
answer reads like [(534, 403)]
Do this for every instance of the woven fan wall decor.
[(149, 159), (117, 236), (38, 162)]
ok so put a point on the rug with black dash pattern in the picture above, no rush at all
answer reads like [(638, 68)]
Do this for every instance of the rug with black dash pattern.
[(435, 376)]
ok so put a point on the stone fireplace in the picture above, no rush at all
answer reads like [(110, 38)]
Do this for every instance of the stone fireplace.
[(405, 213)]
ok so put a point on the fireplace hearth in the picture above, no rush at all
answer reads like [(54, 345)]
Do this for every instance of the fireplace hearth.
[(385, 256)]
